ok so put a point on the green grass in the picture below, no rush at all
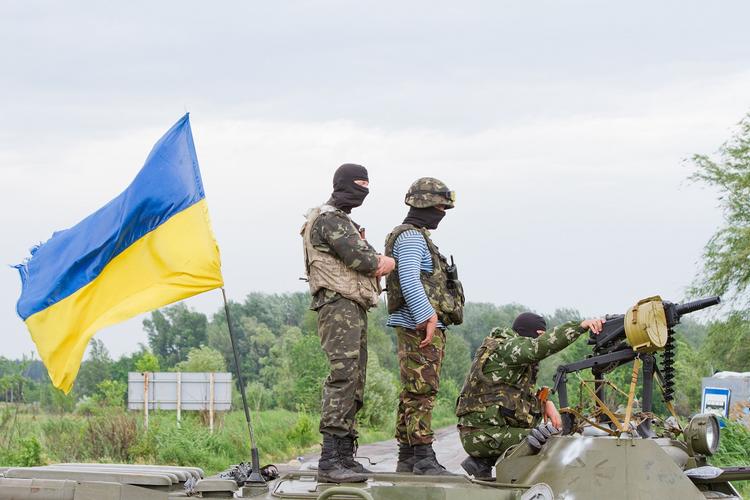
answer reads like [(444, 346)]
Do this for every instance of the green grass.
[(442, 416), (734, 449), (29, 437)]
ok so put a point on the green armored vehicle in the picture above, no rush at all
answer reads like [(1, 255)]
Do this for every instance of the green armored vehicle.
[(626, 453)]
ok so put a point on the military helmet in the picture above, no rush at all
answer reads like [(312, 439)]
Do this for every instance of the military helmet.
[(429, 192)]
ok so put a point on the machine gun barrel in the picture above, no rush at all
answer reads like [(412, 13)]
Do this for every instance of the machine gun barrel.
[(696, 305), (674, 312)]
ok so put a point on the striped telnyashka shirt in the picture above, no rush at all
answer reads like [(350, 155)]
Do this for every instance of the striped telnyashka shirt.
[(412, 255)]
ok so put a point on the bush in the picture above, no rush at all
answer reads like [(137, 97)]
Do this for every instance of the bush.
[(87, 406), (63, 438), (258, 397), (30, 453), (733, 450), (303, 433), (111, 436), (381, 396), (111, 393), (147, 362), (26, 453), (203, 359), (191, 444), (57, 401)]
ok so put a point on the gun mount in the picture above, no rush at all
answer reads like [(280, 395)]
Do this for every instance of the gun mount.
[(643, 330)]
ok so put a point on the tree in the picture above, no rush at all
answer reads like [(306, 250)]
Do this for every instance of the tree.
[(562, 315), (457, 360), (126, 363), (147, 362), (727, 345), (480, 318), (96, 368), (173, 331), (111, 393), (295, 369), (203, 359), (275, 310), (13, 380), (726, 256), (381, 345), (254, 340)]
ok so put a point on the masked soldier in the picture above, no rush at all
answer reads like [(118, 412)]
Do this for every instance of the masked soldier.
[(424, 297), (342, 271), (498, 406)]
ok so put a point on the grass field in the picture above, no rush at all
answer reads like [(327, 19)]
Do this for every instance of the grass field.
[(28, 437)]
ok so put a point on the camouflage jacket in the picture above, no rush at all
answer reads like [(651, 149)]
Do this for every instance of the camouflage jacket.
[(504, 371), (448, 301), (334, 233)]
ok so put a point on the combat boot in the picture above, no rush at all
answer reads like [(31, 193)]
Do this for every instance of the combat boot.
[(347, 447), (426, 463), (330, 467), (480, 468), (406, 458)]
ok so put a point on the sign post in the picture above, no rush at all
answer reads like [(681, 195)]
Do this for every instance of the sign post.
[(716, 400)]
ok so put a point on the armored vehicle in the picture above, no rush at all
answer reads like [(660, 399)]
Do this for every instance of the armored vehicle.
[(602, 453)]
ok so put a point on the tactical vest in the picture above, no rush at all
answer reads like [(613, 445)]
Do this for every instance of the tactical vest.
[(480, 391), (327, 271), (448, 301)]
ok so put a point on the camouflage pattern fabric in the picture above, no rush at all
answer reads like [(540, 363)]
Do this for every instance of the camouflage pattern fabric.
[(342, 327), (447, 299), (429, 192), (489, 434), (510, 359), (420, 381), (498, 400), (335, 233)]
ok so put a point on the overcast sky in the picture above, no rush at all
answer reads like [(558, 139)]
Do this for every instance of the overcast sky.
[(563, 127)]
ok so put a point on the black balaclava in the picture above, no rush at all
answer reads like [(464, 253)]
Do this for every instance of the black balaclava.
[(527, 324), (428, 218), (346, 194)]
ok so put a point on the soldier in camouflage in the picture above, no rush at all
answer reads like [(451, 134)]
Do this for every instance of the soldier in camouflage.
[(498, 406), (424, 297), (343, 272)]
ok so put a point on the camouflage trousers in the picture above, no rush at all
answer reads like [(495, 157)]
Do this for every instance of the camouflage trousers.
[(420, 381), (342, 327), (491, 440)]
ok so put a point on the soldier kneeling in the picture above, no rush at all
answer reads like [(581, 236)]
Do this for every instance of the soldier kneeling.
[(498, 406)]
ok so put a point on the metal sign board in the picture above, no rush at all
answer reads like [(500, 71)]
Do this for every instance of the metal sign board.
[(180, 390), (716, 400)]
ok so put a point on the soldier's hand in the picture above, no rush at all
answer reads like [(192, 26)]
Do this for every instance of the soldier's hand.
[(552, 414), (429, 328), (385, 265), (595, 325)]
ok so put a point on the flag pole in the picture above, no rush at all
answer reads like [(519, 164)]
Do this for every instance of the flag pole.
[(255, 475)]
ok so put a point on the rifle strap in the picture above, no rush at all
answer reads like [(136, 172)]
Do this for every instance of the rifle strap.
[(603, 406), (631, 393)]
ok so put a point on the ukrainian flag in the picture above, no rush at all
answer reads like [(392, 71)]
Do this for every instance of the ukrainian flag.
[(149, 247)]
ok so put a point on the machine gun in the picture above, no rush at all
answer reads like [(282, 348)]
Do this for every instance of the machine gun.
[(643, 330)]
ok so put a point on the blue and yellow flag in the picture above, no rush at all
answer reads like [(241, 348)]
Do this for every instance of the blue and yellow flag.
[(149, 247)]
